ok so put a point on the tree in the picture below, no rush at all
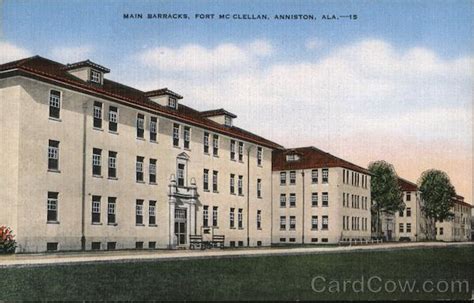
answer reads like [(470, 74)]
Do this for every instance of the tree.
[(437, 194), (385, 191)]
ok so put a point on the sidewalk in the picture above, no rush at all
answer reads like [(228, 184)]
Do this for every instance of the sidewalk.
[(21, 260)]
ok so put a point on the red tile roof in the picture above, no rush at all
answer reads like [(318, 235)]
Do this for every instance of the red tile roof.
[(217, 112), (161, 92), (460, 200), (53, 72), (310, 157), (407, 185), (87, 63)]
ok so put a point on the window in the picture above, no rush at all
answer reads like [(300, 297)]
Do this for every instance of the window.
[(259, 188), (292, 158), (259, 219), (314, 176), (325, 198), (240, 218), (152, 245), (232, 184), (344, 176), (139, 169), (292, 177), (172, 103), (282, 200), (140, 125), (95, 76), (152, 213), (408, 196), (113, 118), (292, 200), (153, 128), (292, 239), (215, 145), (111, 245), (54, 104), (98, 114), (96, 162), (96, 209), (152, 171), (227, 121), (282, 178), (241, 151), (139, 212), (408, 227), (205, 216), (314, 240), (232, 149), (282, 239), (400, 227), (214, 216), (314, 222), (292, 222), (187, 137), (325, 222), (205, 180), (111, 210), (259, 156), (112, 164), (408, 211), (53, 155), (175, 134), (325, 175), (441, 231), (139, 245), (282, 223), (214, 181), (241, 243), (95, 245), (51, 246), (206, 143), (400, 213), (240, 185), (52, 207), (232, 218), (180, 174), (314, 199)]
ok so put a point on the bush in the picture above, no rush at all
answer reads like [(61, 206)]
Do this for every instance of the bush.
[(7, 240)]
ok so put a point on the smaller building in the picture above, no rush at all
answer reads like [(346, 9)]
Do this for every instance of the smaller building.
[(409, 223), (457, 228), (318, 198)]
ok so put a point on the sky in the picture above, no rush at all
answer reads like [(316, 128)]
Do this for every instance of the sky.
[(393, 84)]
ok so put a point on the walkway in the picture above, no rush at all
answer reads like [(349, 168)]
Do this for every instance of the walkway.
[(21, 260)]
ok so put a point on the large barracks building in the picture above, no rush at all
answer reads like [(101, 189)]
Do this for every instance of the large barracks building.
[(88, 163)]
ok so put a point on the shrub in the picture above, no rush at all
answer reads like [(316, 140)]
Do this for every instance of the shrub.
[(7, 240)]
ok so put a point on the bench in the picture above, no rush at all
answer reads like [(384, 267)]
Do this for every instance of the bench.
[(195, 241), (218, 241)]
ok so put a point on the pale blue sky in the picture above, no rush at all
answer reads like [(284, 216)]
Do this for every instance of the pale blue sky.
[(395, 84)]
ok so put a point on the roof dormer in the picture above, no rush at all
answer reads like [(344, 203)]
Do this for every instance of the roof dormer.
[(164, 97), (220, 116), (88, 71)]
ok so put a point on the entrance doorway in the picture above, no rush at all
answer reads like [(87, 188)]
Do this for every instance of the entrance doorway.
[(180, 226)]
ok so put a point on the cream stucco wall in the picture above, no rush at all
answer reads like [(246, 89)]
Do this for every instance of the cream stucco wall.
[(25, 131), (335, 209)]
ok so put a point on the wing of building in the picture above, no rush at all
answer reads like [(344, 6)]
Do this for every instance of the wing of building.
[(95, 164), (319, 198), (411, 225)]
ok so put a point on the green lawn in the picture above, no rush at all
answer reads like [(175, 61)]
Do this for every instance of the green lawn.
[(256, 278)]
